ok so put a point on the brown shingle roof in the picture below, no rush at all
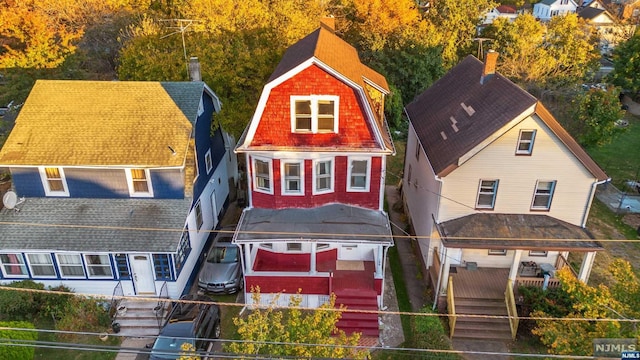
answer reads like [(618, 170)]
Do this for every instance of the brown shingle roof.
[(103, 123)]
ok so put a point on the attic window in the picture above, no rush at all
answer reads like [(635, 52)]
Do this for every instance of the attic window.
[(525, 142), (314, 114), (139, 182), (54, 181)]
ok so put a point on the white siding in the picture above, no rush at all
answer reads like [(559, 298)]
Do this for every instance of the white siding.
[(483, 259), (517, 175)]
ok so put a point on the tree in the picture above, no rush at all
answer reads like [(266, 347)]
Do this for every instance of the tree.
[(22, 351), (575, 337), (289, 331), (626, 65), (594, 117)]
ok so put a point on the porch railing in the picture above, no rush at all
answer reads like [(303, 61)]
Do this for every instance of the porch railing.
[(451, 307), (435, 266), (116, 300), (562, 263), (161, 306), (537, 282), (510, 301)]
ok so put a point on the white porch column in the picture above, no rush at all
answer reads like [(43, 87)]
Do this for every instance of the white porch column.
[(248, 269), (515, 265), (312, 261), (379, 252), (585, 267), (444, 274)]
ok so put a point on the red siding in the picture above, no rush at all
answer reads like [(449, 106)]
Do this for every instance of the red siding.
[(275, 125), (370, 200)]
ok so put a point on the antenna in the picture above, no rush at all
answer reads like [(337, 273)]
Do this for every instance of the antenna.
[(181, 27), (480, 51), (10, 200)]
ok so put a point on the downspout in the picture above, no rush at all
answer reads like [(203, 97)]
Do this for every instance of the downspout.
[(437, 289), (249, 178), (585, 213)]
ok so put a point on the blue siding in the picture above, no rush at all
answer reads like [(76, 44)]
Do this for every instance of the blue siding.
[(97, 183), (27, 182), (204, 142), (167, 184)]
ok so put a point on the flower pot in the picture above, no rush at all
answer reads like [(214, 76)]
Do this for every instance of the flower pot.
[(104, 336)]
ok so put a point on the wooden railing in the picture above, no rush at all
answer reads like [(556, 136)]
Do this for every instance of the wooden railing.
[(537, 282), (562, 263), (434, 270), (451, 307), (510, 300)]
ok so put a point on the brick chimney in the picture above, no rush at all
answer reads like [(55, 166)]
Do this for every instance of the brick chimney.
[(194, 69), (489, 68), (329, 22)]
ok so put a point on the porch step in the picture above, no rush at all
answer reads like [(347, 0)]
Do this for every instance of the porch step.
[(480, 306), (479, 327), (139, 319), (363, 322)]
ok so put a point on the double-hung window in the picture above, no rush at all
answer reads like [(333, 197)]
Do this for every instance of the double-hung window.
[(122, 266), (542, 195), (314, 114), (487, 194), (13, 265), (70, 265), (139, 182), (41, 265), (525, 142), (292, 177), (184, 248), (199, 218), (323, 176), (99, 266), (54, 181), (359, 174), (208, 162), (262, 175)]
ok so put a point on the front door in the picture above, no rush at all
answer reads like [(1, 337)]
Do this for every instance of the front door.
[(142, 274)]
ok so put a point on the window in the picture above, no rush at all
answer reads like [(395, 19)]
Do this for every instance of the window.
[(70, 265), (207, 161), (323, 176), (122, 267), (161, 266), (139, 183), (292, 178), (314, 114), (543, 195), (13, 265), (417, 150), (525, 142), (98, 266), (262, 175), (294, 246), (358, 175), (199, 220), (487, 194), (184, 248), (41, 265), (538, 253), (497, 252), (54, 181)]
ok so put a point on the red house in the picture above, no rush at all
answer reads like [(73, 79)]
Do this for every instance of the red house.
[(316, 151)]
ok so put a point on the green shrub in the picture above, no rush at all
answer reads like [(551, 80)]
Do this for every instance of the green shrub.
[(20, 305), (84, 314), (13, 352), (431, 334), (554, 301)]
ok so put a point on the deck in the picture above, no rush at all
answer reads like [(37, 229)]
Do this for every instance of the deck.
[(482, 283)]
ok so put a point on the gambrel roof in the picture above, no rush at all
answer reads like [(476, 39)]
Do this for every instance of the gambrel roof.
[(459, 112), (104, 123)]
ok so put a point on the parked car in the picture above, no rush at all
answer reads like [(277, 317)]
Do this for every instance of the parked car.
[(222, 271), (193, 323)]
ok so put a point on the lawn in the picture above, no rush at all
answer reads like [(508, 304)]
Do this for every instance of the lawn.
[(57, 352)]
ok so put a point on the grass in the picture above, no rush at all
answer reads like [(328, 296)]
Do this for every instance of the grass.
[(395, 164), (228, 312), (64, 354)]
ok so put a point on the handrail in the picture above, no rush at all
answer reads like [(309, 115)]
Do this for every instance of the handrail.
[(161, 306), (451, 307), (512, 311), (563, 262), (116, 300)]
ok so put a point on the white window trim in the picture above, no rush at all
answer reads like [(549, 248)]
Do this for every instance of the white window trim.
[(314, 112), (132, 193), (294, 250), (368, 174), (33, 275), (529, 151), (254, 175), (283, 182), (495, 194), (198, 209), (14, 276), (60, 265), (497, 252), (45, 182), (535, 192), (208, 162), (331, 177), (538, 253), (88, 265)]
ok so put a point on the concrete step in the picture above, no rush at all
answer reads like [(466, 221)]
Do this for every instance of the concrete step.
[(477, 334)]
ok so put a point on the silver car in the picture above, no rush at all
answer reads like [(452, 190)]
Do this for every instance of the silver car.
[(222, 270)]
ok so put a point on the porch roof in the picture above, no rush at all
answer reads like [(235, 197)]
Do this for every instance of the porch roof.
[(329, 223), (96, 225), (515, 231)]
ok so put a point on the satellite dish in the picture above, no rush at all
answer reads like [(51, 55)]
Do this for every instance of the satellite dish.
[(10, 200)]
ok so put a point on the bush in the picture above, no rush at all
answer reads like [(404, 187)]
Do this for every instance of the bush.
[(430, 334), (555, 302), (11, 352), (84, 314), (20, 305)]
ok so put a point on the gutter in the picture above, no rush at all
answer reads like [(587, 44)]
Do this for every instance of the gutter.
[(585, 213)]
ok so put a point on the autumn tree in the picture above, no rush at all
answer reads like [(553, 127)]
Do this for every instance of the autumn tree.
[(594, 116), (626, 65), (294, 332)]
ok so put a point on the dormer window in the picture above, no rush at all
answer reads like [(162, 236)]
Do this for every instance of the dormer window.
[(139, 183), (54, 181), (314, 114)]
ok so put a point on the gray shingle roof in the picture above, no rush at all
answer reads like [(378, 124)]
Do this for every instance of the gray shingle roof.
[(83, 225)]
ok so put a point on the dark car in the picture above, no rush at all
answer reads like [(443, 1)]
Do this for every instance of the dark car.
[(193, 323), (222, 270)]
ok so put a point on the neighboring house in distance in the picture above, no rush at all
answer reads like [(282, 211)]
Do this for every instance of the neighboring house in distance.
[(609, 30), (316, 151), (546, 9), (122, 182), (509, 12), (494, 185)]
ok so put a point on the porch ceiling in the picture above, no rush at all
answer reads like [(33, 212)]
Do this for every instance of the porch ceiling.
[(329, 223), (515, 231)]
